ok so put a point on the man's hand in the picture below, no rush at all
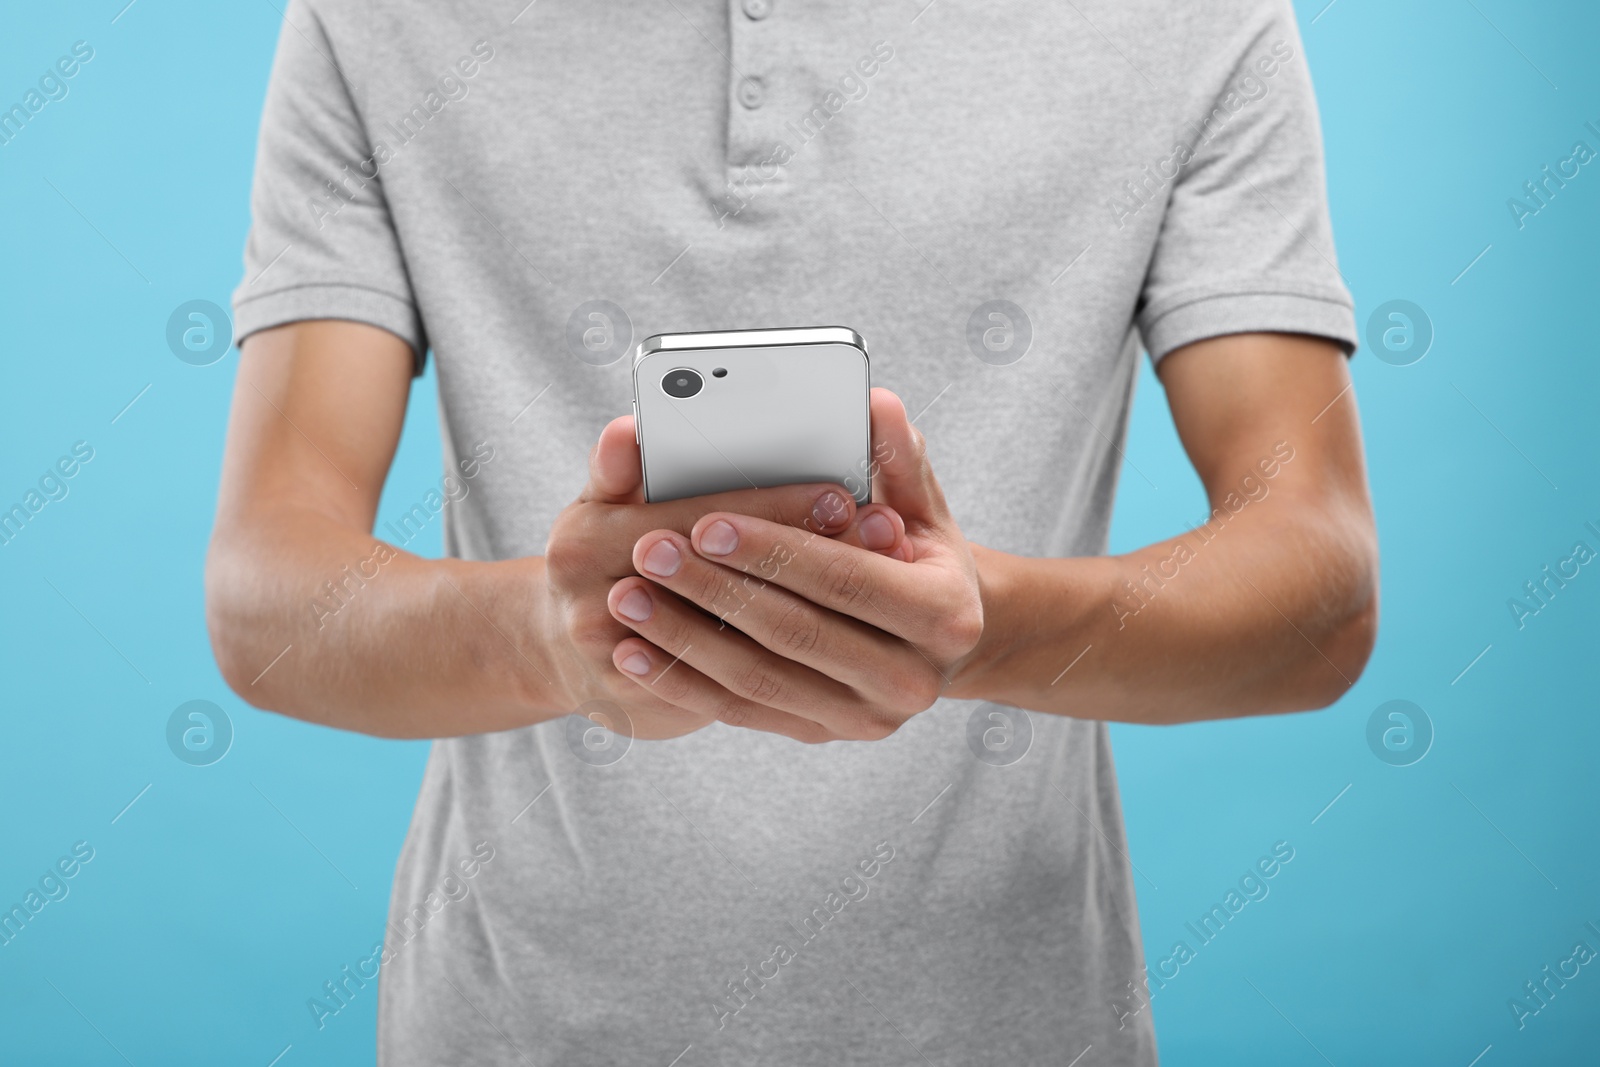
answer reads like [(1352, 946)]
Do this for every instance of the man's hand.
[(593, 543), (742, 618), (310, 615)]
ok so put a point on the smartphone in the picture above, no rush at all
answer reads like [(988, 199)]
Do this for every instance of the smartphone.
[(743, 409)]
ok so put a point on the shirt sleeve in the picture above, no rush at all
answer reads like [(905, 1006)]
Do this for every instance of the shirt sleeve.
[(1246, 244), (322, 242)]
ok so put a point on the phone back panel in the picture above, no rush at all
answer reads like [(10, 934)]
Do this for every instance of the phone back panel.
[(782, 414)]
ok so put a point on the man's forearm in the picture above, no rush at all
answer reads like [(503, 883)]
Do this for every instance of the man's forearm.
[(317, 620), (1270, 612)]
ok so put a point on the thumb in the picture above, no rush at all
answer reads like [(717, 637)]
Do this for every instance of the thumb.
[(616, 475), (902, 477)]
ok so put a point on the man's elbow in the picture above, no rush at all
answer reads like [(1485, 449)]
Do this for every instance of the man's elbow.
[(230, 627), (1346, 652), (1347, 634)]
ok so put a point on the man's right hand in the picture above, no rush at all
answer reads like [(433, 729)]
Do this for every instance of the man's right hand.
[(591, 546), (311, 616)]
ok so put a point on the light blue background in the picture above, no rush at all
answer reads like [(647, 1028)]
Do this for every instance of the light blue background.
[(1416, 905)]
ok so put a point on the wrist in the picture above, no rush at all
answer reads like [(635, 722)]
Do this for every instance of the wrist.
[(504, 604), (1039, 617), (970, 678)]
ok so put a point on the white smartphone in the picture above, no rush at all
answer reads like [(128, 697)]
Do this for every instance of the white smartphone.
[(743, 409)]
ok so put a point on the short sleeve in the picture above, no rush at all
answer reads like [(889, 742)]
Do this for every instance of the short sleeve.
[(1246, 244), (322, 242)]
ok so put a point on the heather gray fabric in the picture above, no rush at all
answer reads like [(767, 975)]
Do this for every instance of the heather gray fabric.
[(1120, 172)]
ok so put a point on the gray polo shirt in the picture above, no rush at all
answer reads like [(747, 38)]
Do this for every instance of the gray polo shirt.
[(1006, 200)]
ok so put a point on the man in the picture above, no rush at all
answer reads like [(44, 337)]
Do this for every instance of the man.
[(1006, 200)]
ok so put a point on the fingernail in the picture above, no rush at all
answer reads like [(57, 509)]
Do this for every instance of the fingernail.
[(638, 663), (663, 559), (876, 531), (635, 604), (719, 539), (829, 509)]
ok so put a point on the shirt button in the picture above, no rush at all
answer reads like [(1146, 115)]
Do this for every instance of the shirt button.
[(757, 9), (751, 93)]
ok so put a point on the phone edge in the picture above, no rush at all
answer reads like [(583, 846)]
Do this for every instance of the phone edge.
[(762, 338)]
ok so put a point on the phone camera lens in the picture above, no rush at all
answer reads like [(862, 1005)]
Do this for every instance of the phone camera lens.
[(682, 383)]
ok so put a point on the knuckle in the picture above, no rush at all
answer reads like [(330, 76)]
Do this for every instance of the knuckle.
[(594, 630), (735, 712), (564, 555), (917, 690), (736, 595), (874, 726), (959, 630), (674, 687), (709, 588), (843, 581), (796, 631), (919, 445), (757, 684), (671, 634), (815, 734), (767, 568)]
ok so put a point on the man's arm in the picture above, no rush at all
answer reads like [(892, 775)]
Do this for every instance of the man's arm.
[(317, 412), (1270, 606), (312, 616)]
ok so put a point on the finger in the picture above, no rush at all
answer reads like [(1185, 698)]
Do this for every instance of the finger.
[(825, 509), (616, 474), (733, 660), (882, 669), (878, 528), (903, 478), (907, 600), (675, 682)]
